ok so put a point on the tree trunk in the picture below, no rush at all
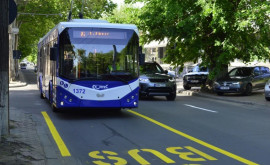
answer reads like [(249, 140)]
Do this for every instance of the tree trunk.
[(4, 68)]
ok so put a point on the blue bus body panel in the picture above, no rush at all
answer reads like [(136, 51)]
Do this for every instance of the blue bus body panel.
[(71, 101)]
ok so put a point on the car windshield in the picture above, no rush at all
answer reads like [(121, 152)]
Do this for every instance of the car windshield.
[(240, 72), (150, 68), (199, 69), (98, 54)]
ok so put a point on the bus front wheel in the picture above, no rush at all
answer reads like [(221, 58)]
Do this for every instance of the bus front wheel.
[(54, 108), (41, 95)]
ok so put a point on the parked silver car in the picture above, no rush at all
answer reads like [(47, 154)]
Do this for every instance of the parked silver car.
[(267, 90), (242, 80)]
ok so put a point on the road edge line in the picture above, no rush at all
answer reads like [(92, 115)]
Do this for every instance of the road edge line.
[(57, 138)]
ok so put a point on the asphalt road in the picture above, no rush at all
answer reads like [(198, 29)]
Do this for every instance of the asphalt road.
[(188, 131)]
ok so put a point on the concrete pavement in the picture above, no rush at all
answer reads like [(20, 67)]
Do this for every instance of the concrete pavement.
[(20, 82), (23, 146)]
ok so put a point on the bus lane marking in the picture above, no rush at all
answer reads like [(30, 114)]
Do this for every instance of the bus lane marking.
[(200, 108), (186, 153), (219, 150), (57, 138)]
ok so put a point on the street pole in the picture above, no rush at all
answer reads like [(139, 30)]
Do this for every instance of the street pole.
[(4, 68)]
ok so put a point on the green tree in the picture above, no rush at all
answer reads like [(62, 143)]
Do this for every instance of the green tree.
[(34, 26), (126, 14), (216, 31)]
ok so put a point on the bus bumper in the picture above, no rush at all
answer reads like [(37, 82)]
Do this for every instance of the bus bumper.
[(66, 99)]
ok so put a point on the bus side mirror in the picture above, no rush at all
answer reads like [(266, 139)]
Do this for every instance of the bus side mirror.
[(53, 53), (141, 59)]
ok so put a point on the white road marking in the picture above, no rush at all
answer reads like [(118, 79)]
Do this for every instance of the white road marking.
[(200, 108)]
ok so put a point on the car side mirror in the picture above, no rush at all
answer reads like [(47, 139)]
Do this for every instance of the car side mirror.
[(256, 74), (165, 71), (53, 54)]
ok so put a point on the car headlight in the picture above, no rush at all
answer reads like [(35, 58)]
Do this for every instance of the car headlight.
[(204, 77), (216, 83), (236, 83), (143, 79), (172, 79)]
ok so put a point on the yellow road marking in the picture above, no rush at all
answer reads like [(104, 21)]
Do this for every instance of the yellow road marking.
[(231, 155), (57, 138)]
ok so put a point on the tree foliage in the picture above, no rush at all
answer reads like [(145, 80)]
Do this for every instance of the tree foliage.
[(216, 31), (126, 14), (34, 26)]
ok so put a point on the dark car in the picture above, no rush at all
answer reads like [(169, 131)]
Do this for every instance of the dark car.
[(267, 90), (196, 77), (154, 81), (35, 68), (242, 80), (23, 65)]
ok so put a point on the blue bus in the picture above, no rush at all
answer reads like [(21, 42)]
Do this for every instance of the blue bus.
[(88, 63)]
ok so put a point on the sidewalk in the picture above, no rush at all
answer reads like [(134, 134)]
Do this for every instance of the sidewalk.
[(22, 146), (18, 83), (257, 97), (29, 141)]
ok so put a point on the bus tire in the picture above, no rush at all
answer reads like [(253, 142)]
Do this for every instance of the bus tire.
[(54, 109), (40, 89), (117, 110), (41, 95)]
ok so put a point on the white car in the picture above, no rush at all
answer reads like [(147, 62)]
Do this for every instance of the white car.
[(267, 90)]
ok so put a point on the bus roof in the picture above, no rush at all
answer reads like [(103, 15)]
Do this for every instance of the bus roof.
[(89, 23)]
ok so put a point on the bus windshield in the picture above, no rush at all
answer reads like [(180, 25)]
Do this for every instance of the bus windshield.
[(98, 54)]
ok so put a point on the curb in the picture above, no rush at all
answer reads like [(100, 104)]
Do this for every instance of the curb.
[(200, 94)]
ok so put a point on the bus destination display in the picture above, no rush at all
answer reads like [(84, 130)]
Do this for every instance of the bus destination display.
[(99, 34)]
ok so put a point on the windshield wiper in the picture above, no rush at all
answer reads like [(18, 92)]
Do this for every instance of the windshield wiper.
[(83, 79), (119, 78)]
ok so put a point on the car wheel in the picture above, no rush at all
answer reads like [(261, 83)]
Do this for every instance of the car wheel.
[(248, 90), (171, 97), (140, 96), (267, 98), (186, 87), (220, 93)]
